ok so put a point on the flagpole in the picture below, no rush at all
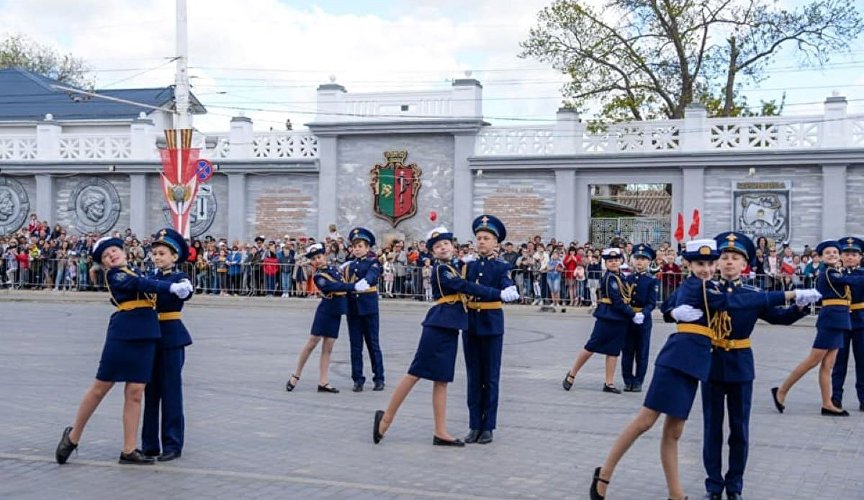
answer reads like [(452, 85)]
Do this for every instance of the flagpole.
[(181, 98)]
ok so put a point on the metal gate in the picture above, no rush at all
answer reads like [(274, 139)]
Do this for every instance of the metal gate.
[(651, 230)]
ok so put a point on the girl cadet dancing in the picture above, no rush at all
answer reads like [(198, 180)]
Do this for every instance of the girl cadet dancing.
[(684, 361), (435, 358), (129, 351)]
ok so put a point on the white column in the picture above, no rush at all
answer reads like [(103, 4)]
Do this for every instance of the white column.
[(237, 207), (582, 209), (463, 186), (695, 134), (328, 166), (329, 103), (240, 138), (45, 198), (48, 139), (138, 206), (143, 138), (836, 128), (693, 196), (833, 201), (567, 135), (467, 98), (565, 205)]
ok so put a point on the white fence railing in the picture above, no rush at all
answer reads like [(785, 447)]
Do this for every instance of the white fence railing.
[(95, 147), (16, 148)]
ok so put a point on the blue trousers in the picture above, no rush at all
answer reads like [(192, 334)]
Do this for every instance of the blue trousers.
[(637, 343), (165, 393), (364, 329), (737, 398), (483, 367), (853, 341)]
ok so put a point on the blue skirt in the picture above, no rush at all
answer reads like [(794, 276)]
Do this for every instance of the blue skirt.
[(435, 358), (608, 337), (127, 361), (671, 392), (828, 338), (326, 325)]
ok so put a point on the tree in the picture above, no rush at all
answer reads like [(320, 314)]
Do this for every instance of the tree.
[(19, 51), (643, 59)]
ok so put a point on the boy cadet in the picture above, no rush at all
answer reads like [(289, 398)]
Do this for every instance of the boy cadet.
[(854, 339), (363, 309), (644, 300), (483, 341), (730, 381)]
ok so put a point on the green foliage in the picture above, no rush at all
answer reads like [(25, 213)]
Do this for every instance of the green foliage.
[(17, 50)]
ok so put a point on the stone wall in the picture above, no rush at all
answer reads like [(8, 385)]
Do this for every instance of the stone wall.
[(280, 204), (854, 200), (359, 154), (64, 187), (524, 201)]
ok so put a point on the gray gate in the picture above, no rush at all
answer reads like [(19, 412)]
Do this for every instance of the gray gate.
[(651, 230)]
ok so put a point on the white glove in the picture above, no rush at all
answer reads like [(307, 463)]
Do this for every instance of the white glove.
[(807, 297), (638, 318), (361, 286), (181, 289), (468, 257), (510, 294), (686, 313)]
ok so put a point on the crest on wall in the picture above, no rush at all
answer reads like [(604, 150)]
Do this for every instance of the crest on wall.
[(394, 188), (762, 209)]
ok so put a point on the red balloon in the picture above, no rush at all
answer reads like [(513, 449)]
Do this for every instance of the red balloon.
[(433, 215)]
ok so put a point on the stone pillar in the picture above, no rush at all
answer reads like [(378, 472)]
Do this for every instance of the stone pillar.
[(695, 134), (45, 205), (581, 209), (138, 206), (833, 201), (240, 138), (565, 205), (836, 128), (329, 107), (48, 140), (463, 186), (568, 132), (142, 138), (467, 98), (692, 197), (328, 167), (237, 229)]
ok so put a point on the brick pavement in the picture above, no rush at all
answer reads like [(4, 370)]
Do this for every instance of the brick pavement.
[(248, 438)]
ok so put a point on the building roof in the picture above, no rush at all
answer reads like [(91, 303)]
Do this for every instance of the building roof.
[(27, 96)]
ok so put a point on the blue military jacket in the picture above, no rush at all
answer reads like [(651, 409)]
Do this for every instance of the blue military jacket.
[(834, 284), (687, 352), (614, 294), (493, 273), (174, 332), (857, 301), (127, 286), (746, 304), (449, 284), (643, 288), (334, 300), (363, 303)]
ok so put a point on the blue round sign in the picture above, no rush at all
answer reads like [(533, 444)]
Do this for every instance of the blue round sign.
[(204, 170)]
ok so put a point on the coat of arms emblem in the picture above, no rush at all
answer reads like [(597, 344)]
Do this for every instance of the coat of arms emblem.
[(394, 188)]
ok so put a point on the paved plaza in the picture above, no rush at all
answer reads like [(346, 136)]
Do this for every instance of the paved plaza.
[(248, 438)]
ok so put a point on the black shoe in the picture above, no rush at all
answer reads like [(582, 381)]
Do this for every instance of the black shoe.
[(831, 413), (485, 437), (611, 388), (65, 447), (594, 494), (637, 387), (713, 496), (628, 388), (358, 387), (837, 403), (568, 381), (289, 386), (376, 425), (472, 436), (327, 388), (151, 453), (443, 442), (168, 456), (379, 386), (861, 407), (734, 496), (136, 458), (780, 407)]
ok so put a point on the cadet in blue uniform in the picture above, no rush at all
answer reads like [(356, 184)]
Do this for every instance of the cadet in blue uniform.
[(435, 358), (730, 382), (643, 299), (482, 343), (684, 361), (834, 320), (614, 315), (328, 316), (164, 393), (129, 350), (853, 340), (363, 309)]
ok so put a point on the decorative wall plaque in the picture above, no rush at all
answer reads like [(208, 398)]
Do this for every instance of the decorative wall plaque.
[(201, 215), (14, 205), (95, 205), (762, 209)]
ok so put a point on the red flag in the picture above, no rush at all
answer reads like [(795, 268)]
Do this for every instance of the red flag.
[(694, 227), (679, 231)]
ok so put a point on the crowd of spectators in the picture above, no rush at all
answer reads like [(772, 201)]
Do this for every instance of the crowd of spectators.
[(550, 272)]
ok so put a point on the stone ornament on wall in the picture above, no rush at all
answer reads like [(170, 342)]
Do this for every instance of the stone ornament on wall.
[(394, 188), (762, 209), (201, 216), (14, 205), (95, 205)]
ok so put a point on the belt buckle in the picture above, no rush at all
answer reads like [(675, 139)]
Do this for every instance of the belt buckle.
[(728, 344)]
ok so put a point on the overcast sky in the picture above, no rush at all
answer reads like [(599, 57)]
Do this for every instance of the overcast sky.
[(253, 55)]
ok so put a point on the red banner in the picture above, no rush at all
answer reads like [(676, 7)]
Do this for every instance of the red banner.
[(694, 226), (179, 177)]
